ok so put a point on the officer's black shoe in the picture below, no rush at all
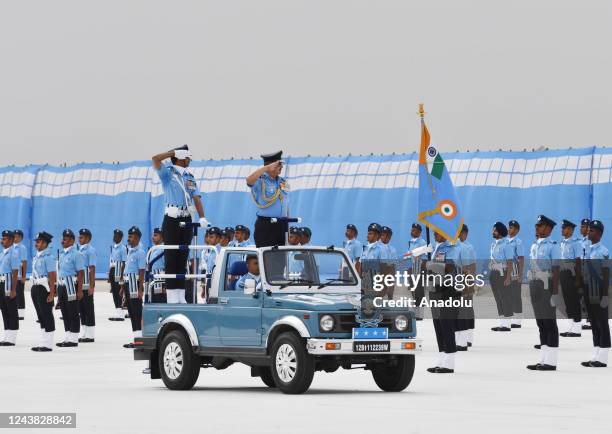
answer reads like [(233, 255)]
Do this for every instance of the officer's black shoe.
[(546, 367), (57, 306), (570, 335), (41, 349), (419, 319), (460, 348), (86, 340), (38, 321), (537, 346), (469, 344), (586, 326), (444, 371), (116, 319), (127, 315), (433, 370), (534, 367), (6, 344), (586, 364), (130, 345), (67, 344), (595, 364), (21, 318), (515, 326), (501, 329)]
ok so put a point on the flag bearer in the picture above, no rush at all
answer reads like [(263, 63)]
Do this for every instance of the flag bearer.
[(9, 270), (70, 288), (134, 274), (597, 274), (23, 257), (444, 318), (86, 304), (118, 254), (544, 292), (569, 276), (182, 198), (44, 279), (518, 270)]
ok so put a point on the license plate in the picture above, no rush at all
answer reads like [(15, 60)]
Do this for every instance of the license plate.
[(371, 347), (362, 333)]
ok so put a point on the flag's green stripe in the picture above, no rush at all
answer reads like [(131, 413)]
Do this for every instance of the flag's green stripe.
[(438, 167)]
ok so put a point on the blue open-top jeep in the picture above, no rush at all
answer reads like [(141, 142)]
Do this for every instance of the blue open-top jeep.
[(305, 314)]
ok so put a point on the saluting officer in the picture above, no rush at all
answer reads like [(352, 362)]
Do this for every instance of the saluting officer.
[(414, 266), (158, 266), (443, 262), (351, 244), (70, 288), (500, 264), (544, 292), (597, 277), (23, 257), (182, 198), (86, 304), (518, 270), (118, 254), (270, 193), (44, 278), (9, 270), (570, 275), (134, 274)]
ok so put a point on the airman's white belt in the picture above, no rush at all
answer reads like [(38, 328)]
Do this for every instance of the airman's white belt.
[(41, 281), (2, 278), (176, 211), (498, 267)]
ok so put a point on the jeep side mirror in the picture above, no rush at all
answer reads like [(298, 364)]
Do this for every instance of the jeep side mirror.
[(249, 286)]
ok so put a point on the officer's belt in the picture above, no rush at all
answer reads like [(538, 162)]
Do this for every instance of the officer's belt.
[(175, 211)]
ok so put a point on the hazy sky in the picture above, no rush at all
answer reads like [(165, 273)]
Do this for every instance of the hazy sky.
[(119, 80)]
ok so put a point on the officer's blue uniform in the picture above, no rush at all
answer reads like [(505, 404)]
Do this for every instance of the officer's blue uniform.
[(466, 254), (71, 262), (118, 255), (23, 257), (598, 259), (136, 261), (180, 188), (518, 251), (373, 251), (389, 252), (43, 263), (414, 243), (500, 253), (354, 249), (9, 262), (86, 304), (544, 256)]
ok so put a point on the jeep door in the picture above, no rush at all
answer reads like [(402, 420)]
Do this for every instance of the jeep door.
[(239, 314)]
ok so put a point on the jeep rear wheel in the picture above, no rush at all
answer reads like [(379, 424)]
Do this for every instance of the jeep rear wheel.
[(178, 365), (394, 378), (291, 366)]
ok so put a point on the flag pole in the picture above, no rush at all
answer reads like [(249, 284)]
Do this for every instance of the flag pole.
[(421, 113)]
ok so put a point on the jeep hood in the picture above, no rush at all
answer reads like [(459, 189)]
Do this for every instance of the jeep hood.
[(317, 302)]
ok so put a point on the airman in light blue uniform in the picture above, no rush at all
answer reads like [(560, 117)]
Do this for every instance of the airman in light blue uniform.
[(118, 255), (518, 272), (241, 282), (70, 289), (351, 244), (374, 249), (23, 257), (9, 266), (43, 290), (389, 251), (86, 304)]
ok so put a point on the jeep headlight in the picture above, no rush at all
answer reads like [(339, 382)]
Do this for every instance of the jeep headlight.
[(401, 323), (326, 323)]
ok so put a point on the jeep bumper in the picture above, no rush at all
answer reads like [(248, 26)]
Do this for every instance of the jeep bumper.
[(329, 347)]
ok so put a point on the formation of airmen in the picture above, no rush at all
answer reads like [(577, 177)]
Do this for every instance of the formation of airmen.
[(573, 272)]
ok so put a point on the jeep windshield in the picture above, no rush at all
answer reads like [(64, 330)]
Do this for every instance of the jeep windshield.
[(314, 269)]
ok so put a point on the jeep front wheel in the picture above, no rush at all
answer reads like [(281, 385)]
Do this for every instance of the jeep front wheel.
[(394, 378), (178, 365), (292, 367)]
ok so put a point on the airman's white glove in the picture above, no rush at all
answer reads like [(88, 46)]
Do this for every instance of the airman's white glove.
[(182, 154), (204, 223), (604, 302), (556, 300)]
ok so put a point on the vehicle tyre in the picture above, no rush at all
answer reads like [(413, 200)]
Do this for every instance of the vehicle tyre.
[(291, 366), (266, 377), (394, 378), (178, 365)]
